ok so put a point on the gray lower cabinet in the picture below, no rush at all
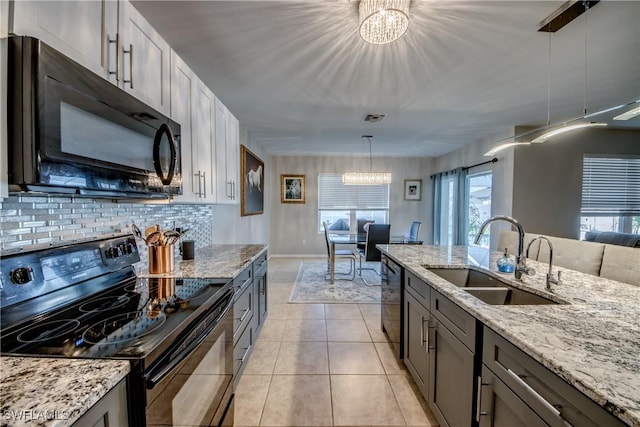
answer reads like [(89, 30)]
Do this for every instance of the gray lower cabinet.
[(452, 352), (501, 407), (243, 312), (110, 411), (553, 400), (416, 356), (249, 312), (439, 352), (260, 291)]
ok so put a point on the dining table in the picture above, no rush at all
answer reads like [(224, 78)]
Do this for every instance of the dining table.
[(355, 238)]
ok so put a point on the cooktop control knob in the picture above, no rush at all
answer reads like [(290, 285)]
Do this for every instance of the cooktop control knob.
[(126, 248), (21, 275), (113, 252)]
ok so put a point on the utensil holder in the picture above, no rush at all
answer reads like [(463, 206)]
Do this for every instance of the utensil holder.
[(161, 259)]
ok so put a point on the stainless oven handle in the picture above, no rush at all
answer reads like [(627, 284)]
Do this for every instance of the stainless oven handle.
[(153, 377)]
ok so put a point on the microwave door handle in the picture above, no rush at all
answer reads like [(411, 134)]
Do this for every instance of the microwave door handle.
[(164, 130)]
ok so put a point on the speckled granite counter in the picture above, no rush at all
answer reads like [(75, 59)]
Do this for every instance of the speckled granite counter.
[(593, 342), (215, 261), (54, 392)]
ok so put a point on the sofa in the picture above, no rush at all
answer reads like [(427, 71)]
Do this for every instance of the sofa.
[(619, 263), (613, 238)]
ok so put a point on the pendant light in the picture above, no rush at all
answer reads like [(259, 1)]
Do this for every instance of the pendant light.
[(367, 178), (566, 127)]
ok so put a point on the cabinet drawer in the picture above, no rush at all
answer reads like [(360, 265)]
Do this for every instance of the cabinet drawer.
[(243, 280), (553, 399), (241, 351), (243, 309), (499, 406), (259, 264), (417, 287), (458, 321)]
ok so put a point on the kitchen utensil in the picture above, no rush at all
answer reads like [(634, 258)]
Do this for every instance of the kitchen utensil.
[(151, 229), (170, 237), (137, 232), (155, 239)]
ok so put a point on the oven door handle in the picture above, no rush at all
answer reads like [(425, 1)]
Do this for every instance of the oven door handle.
[(162, 369)]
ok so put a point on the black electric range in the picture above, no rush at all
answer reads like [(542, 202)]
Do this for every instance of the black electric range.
[(85, 301)]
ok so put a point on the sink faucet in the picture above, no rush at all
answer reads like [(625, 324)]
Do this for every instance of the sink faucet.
[(521, 266), (550, 279)]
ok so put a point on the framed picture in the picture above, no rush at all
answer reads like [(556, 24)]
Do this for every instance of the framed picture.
[(252, 185), (292, 188), (412, 189)]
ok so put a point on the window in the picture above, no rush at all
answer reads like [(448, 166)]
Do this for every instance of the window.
[(610, 194), (461, 203), (342, 205), (479, 206)]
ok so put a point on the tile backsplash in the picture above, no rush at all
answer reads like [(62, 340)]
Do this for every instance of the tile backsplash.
[(41, 221)]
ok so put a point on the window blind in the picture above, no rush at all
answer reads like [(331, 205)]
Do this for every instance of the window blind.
[(610, 186), (332, 194)]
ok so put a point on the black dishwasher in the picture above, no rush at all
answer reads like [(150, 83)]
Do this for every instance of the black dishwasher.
[(392, 302)]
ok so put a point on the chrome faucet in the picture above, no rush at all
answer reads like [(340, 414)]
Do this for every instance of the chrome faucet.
[(521, 265), (550, 278)]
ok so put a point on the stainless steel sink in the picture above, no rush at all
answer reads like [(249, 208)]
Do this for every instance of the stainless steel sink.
[(508, 296), (467, 277), (489, 289)]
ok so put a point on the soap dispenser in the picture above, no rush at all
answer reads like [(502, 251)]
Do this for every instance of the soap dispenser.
[(506, 263)]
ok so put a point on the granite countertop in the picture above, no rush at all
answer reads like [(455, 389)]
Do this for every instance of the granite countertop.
[(212, 262), (54, 392), (592, 341)]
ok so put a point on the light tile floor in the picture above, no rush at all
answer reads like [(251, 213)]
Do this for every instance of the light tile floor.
[(324, 365)]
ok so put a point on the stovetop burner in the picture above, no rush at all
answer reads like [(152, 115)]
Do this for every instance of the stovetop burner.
[(104, 304), (124, 327), (47, 331)]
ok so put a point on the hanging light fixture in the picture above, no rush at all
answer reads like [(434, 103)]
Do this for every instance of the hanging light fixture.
[(383, 21), (548, 27), (367, 178)]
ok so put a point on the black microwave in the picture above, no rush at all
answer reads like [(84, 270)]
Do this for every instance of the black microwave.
[(72, 132)]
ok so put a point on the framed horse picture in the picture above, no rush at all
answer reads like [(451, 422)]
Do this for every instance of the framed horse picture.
[(252, 187), (292, 189)]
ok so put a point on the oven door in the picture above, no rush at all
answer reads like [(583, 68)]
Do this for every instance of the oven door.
[(193, 383)]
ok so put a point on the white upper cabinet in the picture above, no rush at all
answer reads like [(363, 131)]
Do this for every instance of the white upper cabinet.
[(85, 31), (183, 89), (145, 60), (227, 148), (202, 146), (109, 37)]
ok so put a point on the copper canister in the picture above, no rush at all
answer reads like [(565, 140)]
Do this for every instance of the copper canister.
[(161, 259)]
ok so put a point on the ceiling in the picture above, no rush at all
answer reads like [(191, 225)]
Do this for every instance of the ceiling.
[(300, 80)]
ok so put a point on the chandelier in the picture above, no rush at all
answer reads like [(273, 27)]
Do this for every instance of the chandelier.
[(367, 178), (383, 21)]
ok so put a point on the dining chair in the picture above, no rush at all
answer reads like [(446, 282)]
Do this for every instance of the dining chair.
[(376, 235), (361, 230), (413, 232), (339, 254)]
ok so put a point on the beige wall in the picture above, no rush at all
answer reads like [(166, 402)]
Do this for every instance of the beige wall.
[(294, 229), (547, 184)]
